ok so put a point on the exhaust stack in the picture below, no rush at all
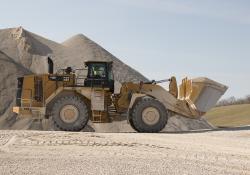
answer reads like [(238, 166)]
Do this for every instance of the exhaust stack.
[(50, 66)]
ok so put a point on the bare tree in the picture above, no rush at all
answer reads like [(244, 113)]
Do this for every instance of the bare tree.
[(233, 101), (248, 98)]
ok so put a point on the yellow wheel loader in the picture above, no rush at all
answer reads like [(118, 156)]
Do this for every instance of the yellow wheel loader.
[(71, 99)]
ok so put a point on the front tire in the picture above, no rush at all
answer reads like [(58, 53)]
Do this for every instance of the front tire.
[(148, 116), (70, 113)]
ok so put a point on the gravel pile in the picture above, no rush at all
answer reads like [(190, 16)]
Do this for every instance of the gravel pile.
[(23, 52)]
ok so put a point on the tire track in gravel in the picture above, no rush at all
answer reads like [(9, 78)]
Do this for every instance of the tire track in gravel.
[(187, 152), (34, 138), (86, 141), (8, 143)]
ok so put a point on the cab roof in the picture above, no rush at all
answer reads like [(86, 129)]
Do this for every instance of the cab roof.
[(89, 62)]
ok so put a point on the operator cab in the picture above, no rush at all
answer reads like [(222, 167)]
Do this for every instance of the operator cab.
[(99, 75)]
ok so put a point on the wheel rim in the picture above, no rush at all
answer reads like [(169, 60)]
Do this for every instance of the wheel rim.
[(69, 114), (150, 116)]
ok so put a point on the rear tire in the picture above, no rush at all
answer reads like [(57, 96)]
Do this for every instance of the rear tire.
[(70, 113), (148, 116)]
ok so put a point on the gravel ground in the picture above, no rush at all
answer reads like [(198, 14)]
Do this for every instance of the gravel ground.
[(201, 152)]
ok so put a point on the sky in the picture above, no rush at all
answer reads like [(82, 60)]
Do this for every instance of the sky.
[(159, 38)]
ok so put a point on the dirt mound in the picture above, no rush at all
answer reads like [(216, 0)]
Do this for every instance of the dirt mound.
[(23, 52), (175, 124), (89, 50), (10, 70)]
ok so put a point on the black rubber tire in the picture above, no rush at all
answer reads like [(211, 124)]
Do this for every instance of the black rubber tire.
[(132, 124), (82, 119), (136, 121)]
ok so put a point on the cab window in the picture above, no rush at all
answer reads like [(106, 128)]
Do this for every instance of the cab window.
[(98, 71)]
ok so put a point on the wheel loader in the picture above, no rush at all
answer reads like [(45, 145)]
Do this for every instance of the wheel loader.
[(71, 98)]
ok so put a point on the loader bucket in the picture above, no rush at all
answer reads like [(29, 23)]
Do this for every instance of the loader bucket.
[(202, 94)]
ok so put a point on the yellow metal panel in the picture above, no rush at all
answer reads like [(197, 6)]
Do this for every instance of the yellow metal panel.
[(27, 91), (16, 109), (173, 89), (97, 100)]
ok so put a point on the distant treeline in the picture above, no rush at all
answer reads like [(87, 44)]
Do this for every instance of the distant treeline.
[(234, 101)]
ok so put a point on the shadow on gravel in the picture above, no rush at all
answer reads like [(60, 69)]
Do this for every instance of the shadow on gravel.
[(241, 128)]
